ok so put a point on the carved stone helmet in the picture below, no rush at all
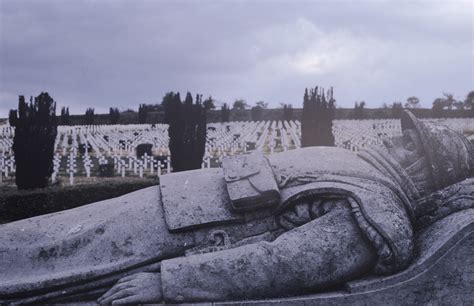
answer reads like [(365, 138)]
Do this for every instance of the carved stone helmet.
[(449, 153)]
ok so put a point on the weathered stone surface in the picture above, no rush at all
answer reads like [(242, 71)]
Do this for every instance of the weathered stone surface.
[(449, 153), (443, 274), (250, 181), (86, 247), (432, 244), (343, 221), (196, 198)]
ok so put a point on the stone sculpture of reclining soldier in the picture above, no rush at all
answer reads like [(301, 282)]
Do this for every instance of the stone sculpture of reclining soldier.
[(297, 222)]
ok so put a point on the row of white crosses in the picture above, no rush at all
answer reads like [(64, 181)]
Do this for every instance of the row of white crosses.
[(107, 141), (2, 166), (111, 139), (236, 137), (87, 163), (6, 140), (71, 168), (206, 163), (231, 137), (140, 165), (56, 166), (7, 166), (358, 134)]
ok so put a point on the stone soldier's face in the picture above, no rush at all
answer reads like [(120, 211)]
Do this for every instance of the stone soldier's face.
[(405, 149)]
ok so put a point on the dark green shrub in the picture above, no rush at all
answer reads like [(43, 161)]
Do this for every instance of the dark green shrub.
[(144, 148), (106, 170), (82, 148), (21, 204)]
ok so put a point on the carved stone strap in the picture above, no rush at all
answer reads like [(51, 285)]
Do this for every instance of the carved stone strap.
[(250, 182), (196, 198), (218, 240)]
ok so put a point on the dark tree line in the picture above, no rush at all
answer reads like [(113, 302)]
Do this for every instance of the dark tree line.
[(316, 120), (287, 112), (209, 104), (256, 112), (33, 144), (142, 113), (359, 110), (448, 102), (114, 115), (152, 113), (89, 116), (238, 110), (187, 130), (12, 117), (225, 113), (397, 110), (65, 118)]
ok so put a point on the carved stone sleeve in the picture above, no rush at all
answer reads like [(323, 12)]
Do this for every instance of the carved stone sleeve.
[(321, 253)]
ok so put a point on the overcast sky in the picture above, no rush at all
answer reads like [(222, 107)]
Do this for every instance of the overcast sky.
[(122, 53)]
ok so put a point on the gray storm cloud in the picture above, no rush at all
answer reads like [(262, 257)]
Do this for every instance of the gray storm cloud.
[(122, 53)]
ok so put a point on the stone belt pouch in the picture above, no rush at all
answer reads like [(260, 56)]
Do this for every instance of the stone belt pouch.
[(250, 182)]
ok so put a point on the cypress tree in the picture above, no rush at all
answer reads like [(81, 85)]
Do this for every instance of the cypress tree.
[(65, 118), (175, 130), (397, 110), (256, 113), (187, 131), (13, 117), (287, 112), (189, 121), (114, 115), (209, 103), (199, 134), (89, 116), (225, 113), (331, 117), (317, 117), (142, 113), (437, 109), (359, 110), (305, 120), (33, 143), (166, 105)]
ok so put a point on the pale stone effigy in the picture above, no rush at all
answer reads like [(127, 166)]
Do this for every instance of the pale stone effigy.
[(315, 220)]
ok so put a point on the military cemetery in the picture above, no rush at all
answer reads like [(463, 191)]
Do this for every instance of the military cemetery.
[(80, 150), (236, 153)]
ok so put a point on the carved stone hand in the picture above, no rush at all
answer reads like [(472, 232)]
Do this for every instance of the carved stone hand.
[(135, 289)]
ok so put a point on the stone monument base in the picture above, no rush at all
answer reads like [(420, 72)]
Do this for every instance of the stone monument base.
[(443, 273)]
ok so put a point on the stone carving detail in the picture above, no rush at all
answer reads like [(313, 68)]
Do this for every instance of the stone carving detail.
[(294, 223), (250, 182), (218, 241)]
